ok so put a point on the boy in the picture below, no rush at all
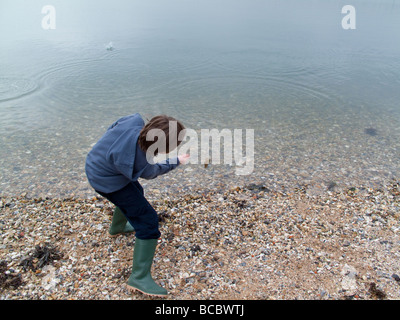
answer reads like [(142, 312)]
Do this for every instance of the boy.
[(113, 167)]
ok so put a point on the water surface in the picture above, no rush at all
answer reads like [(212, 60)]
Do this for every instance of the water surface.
[(286, 69)]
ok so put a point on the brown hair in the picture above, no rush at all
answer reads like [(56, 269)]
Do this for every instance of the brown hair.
[(161, 122)]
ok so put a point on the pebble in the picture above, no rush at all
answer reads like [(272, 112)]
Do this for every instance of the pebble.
[(396, 277)]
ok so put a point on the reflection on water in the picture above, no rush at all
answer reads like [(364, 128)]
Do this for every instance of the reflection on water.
[(309, 88)]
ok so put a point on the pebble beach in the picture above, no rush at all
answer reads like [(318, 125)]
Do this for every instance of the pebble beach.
[(244, 242), (316, 215)]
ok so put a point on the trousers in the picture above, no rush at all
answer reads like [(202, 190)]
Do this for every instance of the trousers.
[(137, 210)]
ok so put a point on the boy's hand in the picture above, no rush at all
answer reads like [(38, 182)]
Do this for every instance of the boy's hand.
[(184, 158)]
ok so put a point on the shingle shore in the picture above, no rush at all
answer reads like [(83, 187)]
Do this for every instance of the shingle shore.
[(246, 242)]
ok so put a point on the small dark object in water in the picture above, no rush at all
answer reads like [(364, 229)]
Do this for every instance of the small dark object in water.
[(331, 185), (371, 131), (375, 292), (256, 187), (44, 254)]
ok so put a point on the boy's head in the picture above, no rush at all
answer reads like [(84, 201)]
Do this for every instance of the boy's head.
[(163, 128)]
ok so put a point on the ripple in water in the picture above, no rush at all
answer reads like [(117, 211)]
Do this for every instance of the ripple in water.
[(15, 88)]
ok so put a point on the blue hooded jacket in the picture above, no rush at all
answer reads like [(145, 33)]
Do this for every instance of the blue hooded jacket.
[(116, 159)]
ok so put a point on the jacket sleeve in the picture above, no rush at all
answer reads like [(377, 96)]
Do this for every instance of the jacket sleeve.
[(152, 171)]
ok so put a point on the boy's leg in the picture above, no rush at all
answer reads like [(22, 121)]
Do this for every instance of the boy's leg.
[(136, 209), (140, 278), (119, 224), (139, 186), (144, 219)]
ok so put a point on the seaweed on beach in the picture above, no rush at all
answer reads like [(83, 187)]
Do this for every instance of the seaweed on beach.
[(41, 256), (375, 292), (9, 279)]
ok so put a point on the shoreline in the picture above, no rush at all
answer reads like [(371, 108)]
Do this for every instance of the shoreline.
[(247, 242)]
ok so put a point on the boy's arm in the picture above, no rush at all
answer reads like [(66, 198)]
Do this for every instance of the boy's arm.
[(154, 170)]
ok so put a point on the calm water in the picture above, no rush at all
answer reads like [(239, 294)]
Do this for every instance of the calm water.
[(285, 68)]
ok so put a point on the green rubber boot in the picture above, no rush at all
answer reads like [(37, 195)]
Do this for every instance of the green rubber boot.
[(119, 224), (140, 278)]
